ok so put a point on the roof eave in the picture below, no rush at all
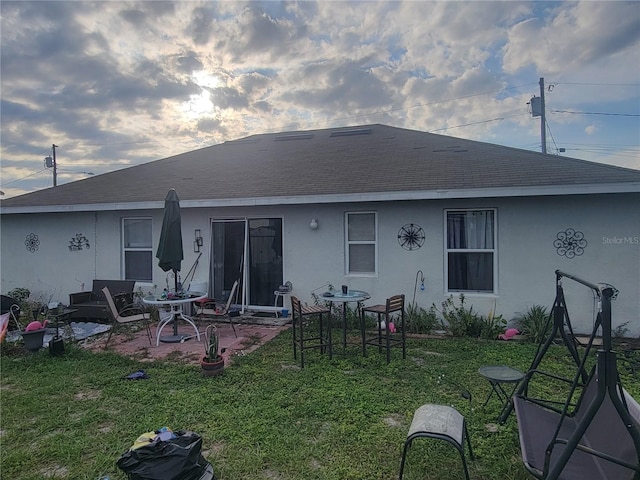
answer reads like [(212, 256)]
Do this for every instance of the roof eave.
[(438, 194)]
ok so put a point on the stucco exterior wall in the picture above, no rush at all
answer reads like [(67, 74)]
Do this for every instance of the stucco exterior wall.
[(49, 269), (526, 257)]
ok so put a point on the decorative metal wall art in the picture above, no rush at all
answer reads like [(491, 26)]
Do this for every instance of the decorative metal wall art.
[(411, 236), (78, 243), (32, 243), (570, 243)]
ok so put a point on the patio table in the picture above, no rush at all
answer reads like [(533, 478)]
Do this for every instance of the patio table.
[(498, 375), (176, 303), (62, 318), (357, 296)]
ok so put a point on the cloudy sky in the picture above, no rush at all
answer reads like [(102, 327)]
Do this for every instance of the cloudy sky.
[(115, 84)]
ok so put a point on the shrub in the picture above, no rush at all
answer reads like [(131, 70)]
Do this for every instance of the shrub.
[(19, 294), (30, 307), (420, 320), (534, 323), (462, 321), (492, 326)]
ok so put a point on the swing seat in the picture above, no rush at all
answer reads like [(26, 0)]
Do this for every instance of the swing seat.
[(605, 435)]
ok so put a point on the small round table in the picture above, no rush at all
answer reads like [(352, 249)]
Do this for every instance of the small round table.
[(497, 375), (176, 303), (339, 297), (61, 317)]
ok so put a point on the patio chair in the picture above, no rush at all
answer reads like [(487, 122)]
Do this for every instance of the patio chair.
[(126, 314), (320, 339), (211, 308), (440, 422), (389, 339)]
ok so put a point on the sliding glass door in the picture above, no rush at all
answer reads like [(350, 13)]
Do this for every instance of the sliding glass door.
[(259, 241), (227, 254)]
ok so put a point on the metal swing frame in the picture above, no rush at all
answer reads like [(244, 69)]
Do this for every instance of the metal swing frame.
[(568, 442)]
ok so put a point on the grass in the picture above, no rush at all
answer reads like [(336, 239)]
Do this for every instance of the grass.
[(71, 417)]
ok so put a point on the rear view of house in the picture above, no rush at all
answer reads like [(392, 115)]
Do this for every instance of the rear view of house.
[(373, 207)]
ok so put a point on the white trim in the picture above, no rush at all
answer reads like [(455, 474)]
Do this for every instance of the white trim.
[(493, 251), (544, 190), (347, 243), (124, 249)]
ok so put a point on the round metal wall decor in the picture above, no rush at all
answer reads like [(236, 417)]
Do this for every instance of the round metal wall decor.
[(570, 243), (32, 243), (411, 236)]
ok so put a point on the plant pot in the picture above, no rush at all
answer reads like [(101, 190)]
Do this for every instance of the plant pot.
[(33, 339), (211, 369), (56, 346)]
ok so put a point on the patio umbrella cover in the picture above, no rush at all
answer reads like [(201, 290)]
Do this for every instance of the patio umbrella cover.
[(170, 254)]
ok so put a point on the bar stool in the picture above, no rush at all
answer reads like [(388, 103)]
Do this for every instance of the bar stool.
[(389, 340), (320, 339)]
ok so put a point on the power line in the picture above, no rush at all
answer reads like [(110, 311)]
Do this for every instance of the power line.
[(597, 113), (25, 177), (478, 123), (610, 152), (598, 84), (552, 137), (409, 107), (621, 146), (118, 143)]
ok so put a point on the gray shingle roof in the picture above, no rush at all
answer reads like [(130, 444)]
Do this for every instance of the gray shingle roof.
[(364, 160)]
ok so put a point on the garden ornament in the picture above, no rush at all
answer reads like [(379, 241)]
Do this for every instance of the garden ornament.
[(509, 332), (36, 325)]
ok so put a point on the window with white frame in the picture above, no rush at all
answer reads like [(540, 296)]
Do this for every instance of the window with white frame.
[(137, 246), (361, 242), (470, 250)]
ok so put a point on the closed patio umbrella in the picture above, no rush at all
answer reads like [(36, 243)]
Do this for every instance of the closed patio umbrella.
[(170, 254)]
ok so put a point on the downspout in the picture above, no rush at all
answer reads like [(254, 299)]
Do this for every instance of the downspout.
[(95, 244)]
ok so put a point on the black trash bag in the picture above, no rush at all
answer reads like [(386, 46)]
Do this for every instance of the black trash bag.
[(176, 459)]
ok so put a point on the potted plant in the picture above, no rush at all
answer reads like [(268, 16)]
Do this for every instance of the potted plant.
[(212, 363), (33, 335), (30, 312)]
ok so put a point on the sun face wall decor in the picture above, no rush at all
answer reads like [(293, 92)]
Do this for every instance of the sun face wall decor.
[(411, 236)]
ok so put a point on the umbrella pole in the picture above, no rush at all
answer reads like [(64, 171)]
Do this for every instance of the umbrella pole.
[(175, 320)]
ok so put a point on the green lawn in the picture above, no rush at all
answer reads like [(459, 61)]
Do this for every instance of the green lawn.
[(72, 417)]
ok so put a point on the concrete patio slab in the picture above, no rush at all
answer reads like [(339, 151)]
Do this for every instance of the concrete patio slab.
[(253, 332)]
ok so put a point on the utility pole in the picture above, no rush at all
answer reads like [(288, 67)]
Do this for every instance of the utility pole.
[(543, 120), (51, 162), (538, 110)]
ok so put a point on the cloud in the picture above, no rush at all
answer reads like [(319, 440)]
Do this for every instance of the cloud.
[(111, 81), (572, 36)]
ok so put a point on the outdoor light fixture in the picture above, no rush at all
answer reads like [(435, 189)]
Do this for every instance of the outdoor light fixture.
[(197, 243), (314, 224)]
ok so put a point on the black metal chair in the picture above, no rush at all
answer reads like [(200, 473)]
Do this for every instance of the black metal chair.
[(320, 338), (394, 306)]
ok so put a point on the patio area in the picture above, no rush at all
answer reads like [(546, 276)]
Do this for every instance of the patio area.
[(253, 331)]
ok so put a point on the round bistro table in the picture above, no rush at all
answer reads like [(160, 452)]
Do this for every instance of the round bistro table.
[(176, 304), (344, 298)]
